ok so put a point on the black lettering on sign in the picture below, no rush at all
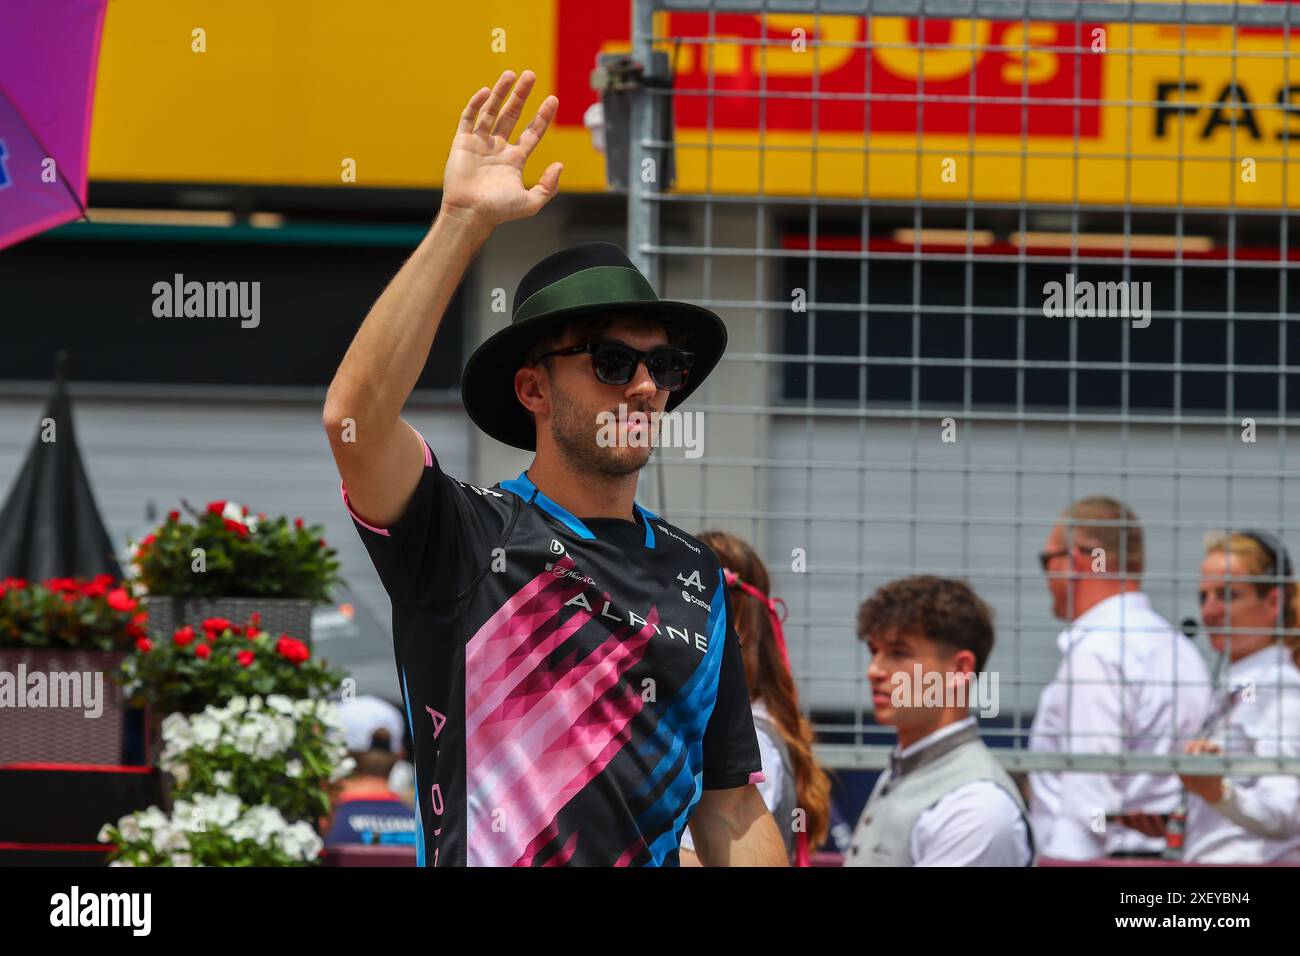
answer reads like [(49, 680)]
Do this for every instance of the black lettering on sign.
[(1166, 109), (1290, 109), (1243, 117)]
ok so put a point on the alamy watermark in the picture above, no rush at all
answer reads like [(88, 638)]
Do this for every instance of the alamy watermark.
[(82, 690), (1103, 300), (940, 689), (673, 429), (208, 300)]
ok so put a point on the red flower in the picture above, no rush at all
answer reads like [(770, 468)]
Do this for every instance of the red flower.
[(321, 542), (68, 598), (139, 618), (62, 584), (297, 523), (235, 526), (104, 579), (94, 589), (245, 658), (119, 600), (144, 645), (184, 636), (144, 542), (173, 516), (254, 621), (202, 651), (292, 650), (216, 507), (215, 625)]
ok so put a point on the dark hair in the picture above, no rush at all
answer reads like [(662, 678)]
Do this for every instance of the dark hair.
[(373, 763), (943, 610)]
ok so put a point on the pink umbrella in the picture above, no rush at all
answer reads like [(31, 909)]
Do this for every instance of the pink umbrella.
[(49, 51)]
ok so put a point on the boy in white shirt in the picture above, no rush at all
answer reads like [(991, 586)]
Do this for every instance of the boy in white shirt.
[(944, 800)]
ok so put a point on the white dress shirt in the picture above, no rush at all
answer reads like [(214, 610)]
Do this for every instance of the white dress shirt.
[(977, 824), (1128, 682), (1259, 820)]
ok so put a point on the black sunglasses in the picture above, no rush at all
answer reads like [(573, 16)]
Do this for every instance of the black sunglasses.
[(615, 362), (1045, 558)]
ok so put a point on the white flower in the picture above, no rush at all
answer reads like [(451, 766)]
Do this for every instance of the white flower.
[(104, 833), (234, 512), (130, 829), (246, 737), (206, 730), (223, 779), (122, 862), (220, 810), (280, 704), (300, 842), (345, 767), (176, 733), (255, 704), (293, 768), (181, 771), (237, 704), (182, 859), (152, 819), (168, 838)]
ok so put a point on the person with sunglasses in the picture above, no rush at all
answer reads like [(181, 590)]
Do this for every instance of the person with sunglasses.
[(1250, 605), (1128, 682), (567, 659)]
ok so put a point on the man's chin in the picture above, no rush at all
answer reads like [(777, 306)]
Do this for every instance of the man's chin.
[(624, 461)]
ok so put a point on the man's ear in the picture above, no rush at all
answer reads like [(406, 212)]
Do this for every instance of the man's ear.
[(530, 390)]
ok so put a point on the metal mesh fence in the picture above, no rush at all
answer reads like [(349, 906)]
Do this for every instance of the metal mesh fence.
[(898, 206)]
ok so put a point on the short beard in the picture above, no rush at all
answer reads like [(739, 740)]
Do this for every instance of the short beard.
[(574, 432)]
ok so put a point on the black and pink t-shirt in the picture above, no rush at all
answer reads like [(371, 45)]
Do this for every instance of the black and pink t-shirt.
[(572, 685)]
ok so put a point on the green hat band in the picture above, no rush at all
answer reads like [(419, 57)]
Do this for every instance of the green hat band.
[(588, 287)]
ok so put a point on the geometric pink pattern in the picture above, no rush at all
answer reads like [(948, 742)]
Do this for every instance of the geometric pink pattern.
[(536, 735)]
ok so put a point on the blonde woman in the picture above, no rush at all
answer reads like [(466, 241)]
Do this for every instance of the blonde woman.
[(1250, 606)]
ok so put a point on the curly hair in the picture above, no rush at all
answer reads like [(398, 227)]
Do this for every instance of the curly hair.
[(944, 610)]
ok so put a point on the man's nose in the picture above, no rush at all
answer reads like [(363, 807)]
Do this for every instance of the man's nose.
[(643, 382)]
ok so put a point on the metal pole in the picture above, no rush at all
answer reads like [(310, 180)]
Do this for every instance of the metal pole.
[(642, 210)]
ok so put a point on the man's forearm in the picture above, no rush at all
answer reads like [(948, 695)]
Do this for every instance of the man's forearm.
[(735, 828), (390, 349)]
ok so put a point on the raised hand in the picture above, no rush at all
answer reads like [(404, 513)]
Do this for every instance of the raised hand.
[(483, 182)]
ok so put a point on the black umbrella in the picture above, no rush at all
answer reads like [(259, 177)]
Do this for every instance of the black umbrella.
[(49, 526)]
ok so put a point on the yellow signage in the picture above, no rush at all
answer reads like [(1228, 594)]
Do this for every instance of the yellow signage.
[(332, 93)]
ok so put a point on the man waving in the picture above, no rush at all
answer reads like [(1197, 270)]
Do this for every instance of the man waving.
[(571, 676)]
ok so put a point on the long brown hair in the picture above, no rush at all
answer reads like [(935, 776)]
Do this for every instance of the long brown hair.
[(769, 677)]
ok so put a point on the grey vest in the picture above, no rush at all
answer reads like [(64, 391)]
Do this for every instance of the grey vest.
[(788, 799), (917, 782)]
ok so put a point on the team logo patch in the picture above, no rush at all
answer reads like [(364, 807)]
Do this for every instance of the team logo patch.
[(692, 581)]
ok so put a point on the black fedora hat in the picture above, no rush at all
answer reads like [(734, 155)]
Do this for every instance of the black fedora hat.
[(578, 282)]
